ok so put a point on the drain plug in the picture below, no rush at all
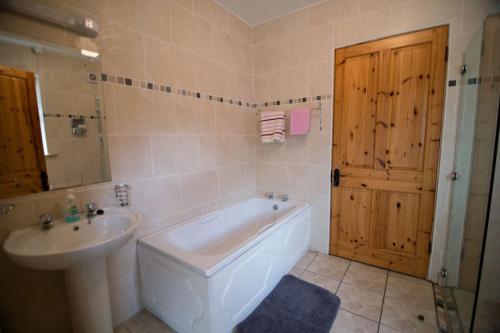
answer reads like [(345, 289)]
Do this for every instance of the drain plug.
[(421, 317), (76, 228)]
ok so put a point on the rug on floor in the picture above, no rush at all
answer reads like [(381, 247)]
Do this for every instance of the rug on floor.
[(294, 306)]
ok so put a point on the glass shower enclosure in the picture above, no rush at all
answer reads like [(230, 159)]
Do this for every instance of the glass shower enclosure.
[(471, 275)]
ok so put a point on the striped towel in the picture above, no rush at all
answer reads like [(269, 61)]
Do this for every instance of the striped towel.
[(272, 126)]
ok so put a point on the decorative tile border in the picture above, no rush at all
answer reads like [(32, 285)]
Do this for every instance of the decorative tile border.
[(474, 81), (170, 90), (80, 116), (195, 94)]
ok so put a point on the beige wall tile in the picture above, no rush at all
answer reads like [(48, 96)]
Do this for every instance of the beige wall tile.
[(191, 32), (122, 52), (271, 55), (211, 77), (270, 175), (232, 120), (318, 148), (157, 197), (240, 85), (143, 111), (194, 116), (242, 148), (259, 33), (289, 83), (367, 6), (155, 18), (260, 87), (188, 4), (212, 12), (158, 55), (130, 158), (312, 46), (239, 29), (215, 151), (175, 154), (288, 24), (231, 179), (332, 11), (199, 188), (321, 78)]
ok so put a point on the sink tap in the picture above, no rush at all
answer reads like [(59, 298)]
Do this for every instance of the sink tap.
[(46, 221), (285, 196), (270, 195), (91, 211)]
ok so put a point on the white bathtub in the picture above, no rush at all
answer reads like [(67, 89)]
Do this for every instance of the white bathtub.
[(209, 273)]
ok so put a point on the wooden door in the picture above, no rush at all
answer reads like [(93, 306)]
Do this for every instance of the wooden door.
[(387, 132), (22, 162)]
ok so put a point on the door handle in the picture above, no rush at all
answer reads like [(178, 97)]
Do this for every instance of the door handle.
[(336, 177)]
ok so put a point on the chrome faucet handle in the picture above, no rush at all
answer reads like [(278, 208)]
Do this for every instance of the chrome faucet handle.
[(270, 195), (91, 208), (285, 196), (46, 221)]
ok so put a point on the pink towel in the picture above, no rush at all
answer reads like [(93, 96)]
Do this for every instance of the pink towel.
[(299, 121)]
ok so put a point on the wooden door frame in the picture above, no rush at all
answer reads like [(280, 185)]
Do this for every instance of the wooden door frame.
[(438, 91)]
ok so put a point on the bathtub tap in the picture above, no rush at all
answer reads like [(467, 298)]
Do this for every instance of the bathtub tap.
[(285, 197)]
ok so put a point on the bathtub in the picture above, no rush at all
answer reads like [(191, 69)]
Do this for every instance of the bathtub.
[(209, 273)]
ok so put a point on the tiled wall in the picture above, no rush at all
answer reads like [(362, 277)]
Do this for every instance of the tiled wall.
[(293, 57), (182, 153)]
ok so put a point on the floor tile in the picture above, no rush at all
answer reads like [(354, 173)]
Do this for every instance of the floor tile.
[(320, 280), (296, 271), (417, 292), (347, 322), (306, 260), (366, 277), (387, 329), (145, 322), (360, 302), (329, 266), (404, 316), (120, 329), (408, 278)]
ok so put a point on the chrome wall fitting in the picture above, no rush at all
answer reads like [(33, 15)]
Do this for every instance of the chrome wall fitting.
[(122, 193)]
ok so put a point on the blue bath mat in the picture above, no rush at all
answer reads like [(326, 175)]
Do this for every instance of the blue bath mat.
[(294, 306)]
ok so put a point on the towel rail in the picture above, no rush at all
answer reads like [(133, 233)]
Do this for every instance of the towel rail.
[(319, 107)]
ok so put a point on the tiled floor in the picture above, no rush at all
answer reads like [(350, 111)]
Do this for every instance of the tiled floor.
[(372, 299)]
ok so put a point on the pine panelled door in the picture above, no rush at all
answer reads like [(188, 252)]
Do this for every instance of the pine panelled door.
[(387, 129)]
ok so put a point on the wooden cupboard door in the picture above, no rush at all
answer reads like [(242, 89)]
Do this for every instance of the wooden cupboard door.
[(387, 131), (22, 162)]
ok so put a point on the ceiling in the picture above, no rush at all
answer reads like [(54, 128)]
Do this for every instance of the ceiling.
[(255, 12)]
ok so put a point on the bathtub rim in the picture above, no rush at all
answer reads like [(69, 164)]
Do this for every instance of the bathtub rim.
[(223, 261)]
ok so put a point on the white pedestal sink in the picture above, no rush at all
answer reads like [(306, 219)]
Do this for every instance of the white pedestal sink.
[(80, 249)]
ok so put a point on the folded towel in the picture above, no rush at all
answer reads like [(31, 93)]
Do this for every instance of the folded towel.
[(299, 121), (272, 126)]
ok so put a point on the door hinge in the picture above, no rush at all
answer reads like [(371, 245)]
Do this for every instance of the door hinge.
[(446, 54), (429, 250)]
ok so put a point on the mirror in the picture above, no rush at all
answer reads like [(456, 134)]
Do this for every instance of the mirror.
[(52, 121)]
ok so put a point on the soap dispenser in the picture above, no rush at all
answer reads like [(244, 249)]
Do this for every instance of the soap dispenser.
[(71, 213)]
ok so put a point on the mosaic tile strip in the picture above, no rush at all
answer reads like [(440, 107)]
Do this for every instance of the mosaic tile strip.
[(474, 81), (171, 90), (80, 116), (195, 94)]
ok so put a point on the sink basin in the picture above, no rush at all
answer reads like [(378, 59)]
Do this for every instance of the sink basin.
[(70, 244), (80, 249)]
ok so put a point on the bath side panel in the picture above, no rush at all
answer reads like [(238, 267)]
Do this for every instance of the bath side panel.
[(239, 288)]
